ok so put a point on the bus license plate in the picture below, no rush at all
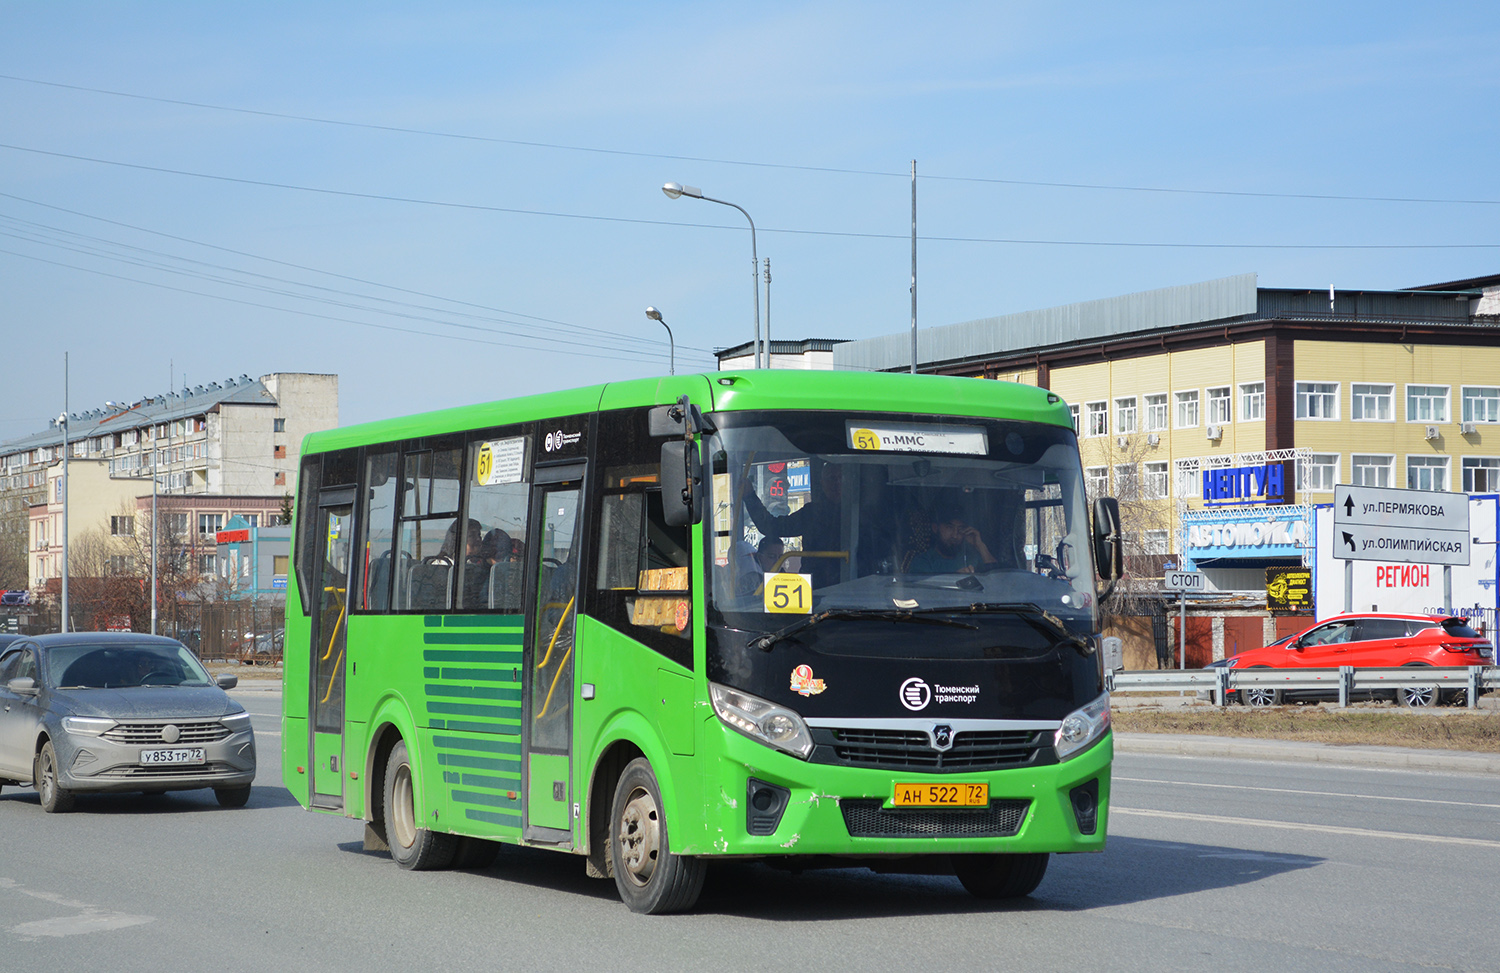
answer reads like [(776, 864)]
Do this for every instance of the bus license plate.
[(190, 755), (963, 794)]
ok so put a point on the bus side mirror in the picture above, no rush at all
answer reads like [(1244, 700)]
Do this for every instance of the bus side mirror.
[(681, 483), (1109, 548)]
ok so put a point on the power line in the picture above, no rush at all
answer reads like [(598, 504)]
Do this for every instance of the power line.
[(836, 170), (717, 226)]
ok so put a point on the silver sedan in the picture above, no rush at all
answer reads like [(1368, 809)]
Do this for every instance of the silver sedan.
[(118, 711)]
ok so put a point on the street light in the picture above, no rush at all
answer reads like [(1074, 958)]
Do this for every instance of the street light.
[(655, 315), (675, 190)]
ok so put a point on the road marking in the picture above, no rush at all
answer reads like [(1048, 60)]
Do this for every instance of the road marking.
[(1296, 826), (90, 919), (1289, 790)]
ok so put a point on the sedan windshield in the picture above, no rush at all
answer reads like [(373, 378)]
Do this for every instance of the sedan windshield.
[(96, 666), (817, 512)]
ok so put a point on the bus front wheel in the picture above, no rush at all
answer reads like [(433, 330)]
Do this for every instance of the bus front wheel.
[(412, 846), (1000, 876), (650, 878)]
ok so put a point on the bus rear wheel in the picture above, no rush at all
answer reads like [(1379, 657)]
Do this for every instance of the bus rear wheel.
[(413, 847), (1000, 876), (650, 878)]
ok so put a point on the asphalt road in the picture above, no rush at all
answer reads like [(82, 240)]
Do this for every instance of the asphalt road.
[(1213, 863)]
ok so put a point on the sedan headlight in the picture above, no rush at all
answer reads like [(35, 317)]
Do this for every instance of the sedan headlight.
[(1082, 727), (87, 725), (762, 720), (236, 721)]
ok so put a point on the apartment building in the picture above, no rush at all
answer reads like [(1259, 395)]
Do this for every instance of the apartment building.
[(218, 450)]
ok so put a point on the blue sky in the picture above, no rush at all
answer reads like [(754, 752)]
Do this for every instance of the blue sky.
[(476, 210)]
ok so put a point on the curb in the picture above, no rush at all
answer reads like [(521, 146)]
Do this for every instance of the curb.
[(1400, 758)]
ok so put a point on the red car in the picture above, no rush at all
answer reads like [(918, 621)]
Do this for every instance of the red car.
[(1368, 640)]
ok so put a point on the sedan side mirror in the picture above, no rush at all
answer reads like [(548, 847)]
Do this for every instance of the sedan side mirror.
[(23, 686), (227, 680)]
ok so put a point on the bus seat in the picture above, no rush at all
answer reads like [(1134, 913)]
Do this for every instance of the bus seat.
[(428, 585), (505, 587)]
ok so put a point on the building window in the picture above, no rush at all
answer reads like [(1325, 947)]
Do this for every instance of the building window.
[(278, 425), (1156, 480), (1371, 403), (1156, 542), (1318, 473), (1187, 409), (208, 563), (1373, 471), (1156, 412), (251, 520), (1098, 413), (1219, 408), (121, 565), (122, 526), (210, 523), (1482, 474), (177, 524), (278, 452), (1427, 403), (1096, 480), (1253, 402), (1317, 400), (1481, 404), (1125, 416), (1073, 411), (1127, 481), (280, 477), (1186, 479), (1427, 473)]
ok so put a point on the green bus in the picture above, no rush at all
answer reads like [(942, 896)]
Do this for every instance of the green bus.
[(812, 618)]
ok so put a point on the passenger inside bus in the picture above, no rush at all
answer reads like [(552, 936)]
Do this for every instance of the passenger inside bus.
[(955, 546)]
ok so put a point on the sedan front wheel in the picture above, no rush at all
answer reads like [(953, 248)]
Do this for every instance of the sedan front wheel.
[(56, 799)]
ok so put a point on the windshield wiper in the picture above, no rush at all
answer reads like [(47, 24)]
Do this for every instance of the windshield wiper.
[(765, 642), (1030, 611)]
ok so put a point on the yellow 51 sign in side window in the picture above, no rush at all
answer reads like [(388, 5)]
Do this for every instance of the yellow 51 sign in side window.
[(789, 594)]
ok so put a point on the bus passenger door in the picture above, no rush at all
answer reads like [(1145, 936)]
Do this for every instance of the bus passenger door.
[(554, 556), (335, 529)]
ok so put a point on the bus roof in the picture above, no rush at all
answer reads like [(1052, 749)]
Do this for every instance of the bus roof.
[(736, 391)]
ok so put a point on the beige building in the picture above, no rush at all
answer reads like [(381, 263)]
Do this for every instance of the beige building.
[(233, 444)]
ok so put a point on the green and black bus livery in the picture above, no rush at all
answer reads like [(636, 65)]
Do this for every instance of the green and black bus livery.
[(809, 617)]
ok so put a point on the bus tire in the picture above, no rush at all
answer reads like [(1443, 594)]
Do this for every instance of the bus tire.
[(650, 878), (1000, 876), (413, 847)]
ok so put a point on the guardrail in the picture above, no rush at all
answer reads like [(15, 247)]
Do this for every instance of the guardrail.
[(1346, 681)]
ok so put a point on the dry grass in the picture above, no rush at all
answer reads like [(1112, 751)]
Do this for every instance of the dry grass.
[(1382, 727)]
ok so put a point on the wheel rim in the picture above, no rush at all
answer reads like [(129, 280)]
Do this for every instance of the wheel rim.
[(48, 776), (403, 810), (1260, 697), (1421, 696), (639, 836)]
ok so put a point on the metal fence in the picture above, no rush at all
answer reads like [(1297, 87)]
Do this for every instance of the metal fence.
[(1342, 683)]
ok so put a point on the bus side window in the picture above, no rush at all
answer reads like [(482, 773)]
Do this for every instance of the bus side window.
[(498, 514), (428, 536), (643, 584), (377, 520)]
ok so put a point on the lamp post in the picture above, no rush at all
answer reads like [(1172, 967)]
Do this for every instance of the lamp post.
[(673, 191), (655, 315)]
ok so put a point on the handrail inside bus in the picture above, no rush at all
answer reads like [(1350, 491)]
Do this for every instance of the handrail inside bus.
[(557, 631)]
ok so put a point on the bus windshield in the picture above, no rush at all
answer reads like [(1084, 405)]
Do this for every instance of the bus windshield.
[(820, 515)]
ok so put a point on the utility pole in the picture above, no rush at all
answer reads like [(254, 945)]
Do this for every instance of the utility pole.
[(768, 312), (914, 266)]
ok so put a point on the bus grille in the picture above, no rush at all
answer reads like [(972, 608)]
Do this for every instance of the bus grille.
[(149, 734), (866, 818), (973, 750)]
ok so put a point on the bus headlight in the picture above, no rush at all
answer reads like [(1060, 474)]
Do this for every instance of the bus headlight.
[(1081, 728), (761, 720)]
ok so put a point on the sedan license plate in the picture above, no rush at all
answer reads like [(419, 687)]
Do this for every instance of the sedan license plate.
[(182, 755), (961, 794)]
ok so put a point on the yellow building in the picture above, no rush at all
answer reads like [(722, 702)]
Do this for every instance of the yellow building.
[(1220, 412)]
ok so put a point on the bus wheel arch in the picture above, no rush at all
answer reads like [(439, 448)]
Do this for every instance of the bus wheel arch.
[(607, 770), (376, 758)]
